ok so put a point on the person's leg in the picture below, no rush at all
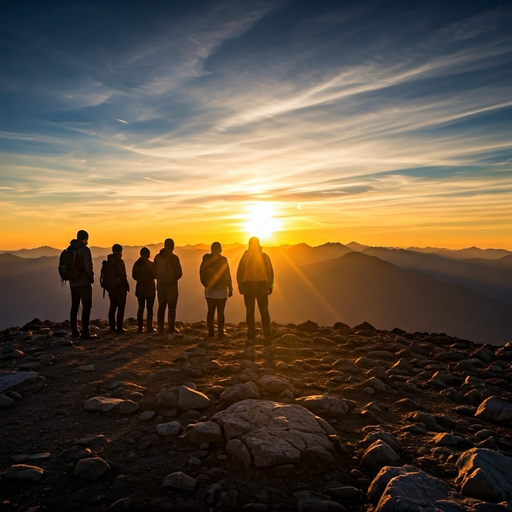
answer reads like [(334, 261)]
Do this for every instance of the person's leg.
[(121, 306), (249, 300), (221, 306), (149, 322), (112, 310), (73, 314), (171, 314), (86, 296), (140, 313), (162, 304), (262, 298), (210, 317)]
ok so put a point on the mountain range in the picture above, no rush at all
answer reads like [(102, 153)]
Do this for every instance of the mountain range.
[(434, 290)]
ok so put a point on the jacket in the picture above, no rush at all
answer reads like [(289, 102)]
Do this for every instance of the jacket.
[(120, 272), (83, 264), (142, 272), (214, 272), (167, 269), (255, 266)]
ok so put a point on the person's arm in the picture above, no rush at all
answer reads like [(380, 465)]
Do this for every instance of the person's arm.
[(270, 274), (176, 265), (87, 262), (134, 274), (240, 274)]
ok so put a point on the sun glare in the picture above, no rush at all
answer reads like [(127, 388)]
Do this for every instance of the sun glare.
[(260, 221)]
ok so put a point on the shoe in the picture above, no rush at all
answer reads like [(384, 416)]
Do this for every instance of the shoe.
[(75, 334), (88, 336), (121, 331), (211, 335), (150, 329), (112, 329), (140, 330), (175, 331)]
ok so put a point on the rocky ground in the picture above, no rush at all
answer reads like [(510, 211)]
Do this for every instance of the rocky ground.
[(333, 419)]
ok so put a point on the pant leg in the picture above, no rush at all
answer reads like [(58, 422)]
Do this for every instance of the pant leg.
[(262, 298), (112, 309), (210, 316), (86, 296), (172, 302), (162, 304), (221, 306), (250, 305), (140, 312), (75, 306), (121, 306), (149, 322)]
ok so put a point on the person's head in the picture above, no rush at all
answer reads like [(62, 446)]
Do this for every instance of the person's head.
[(216, 248), (117, 249), (169, 244), (145, 252), (82, 236), (254, 243)]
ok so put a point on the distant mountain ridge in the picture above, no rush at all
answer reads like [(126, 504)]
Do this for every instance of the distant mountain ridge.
[(388, 287)]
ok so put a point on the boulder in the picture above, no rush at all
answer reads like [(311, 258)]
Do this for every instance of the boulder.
[(9, 380), (91, 468), (275, 433), (102, 404), (378, 455), (128, 407), (24, 472), (172, 428), (204, 432), (495, 409), (485, 474), (239, 392), (190, 399), (324, 405)]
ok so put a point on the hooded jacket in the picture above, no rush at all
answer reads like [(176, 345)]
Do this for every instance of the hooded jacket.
[(119, 271), (214, 272), (255, 266), (167, 269), (142, 272), (83, 264)]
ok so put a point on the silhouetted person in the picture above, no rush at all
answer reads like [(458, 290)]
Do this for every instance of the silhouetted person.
[(167, 270), (117, 293), (216, 278), (142, 272), (255, 278), (81, 285)]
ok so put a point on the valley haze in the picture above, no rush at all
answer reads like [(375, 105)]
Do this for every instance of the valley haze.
[(465, 293)]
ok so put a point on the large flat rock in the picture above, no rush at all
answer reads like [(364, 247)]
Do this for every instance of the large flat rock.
[(9, 380)]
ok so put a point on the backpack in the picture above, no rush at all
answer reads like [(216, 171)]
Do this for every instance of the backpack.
[(67, 265), (108, 276), (207, 273), (164, 271)]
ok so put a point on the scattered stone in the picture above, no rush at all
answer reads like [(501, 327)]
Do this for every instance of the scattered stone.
[(204, 432), (239, 392), (24, 472), (102, 404), (495, 409), (87, 368), (324, 405), (91, 468), (173, 428), (180, 480), (378, 455), (190, 399), (5, 402), (9, 380), (147, 415), (128, 407)]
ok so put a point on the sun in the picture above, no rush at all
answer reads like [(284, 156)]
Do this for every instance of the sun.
[(260, 220)]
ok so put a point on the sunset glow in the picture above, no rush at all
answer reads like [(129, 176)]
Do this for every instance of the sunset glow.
[(385, 123)]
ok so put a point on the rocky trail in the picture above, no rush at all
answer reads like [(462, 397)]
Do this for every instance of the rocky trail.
[(336, 418)]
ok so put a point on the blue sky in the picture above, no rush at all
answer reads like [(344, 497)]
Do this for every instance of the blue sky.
[(385, 122)]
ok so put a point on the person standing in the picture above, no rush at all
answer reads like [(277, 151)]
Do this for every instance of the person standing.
[(142, 273), (80, 285), (255, 278), (167, 271), (216, 278), (116, 281)]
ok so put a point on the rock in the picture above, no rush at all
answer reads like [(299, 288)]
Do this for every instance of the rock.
[(324, 405), (272, 385), (91, 468), (288, 340), (406, 489), (239, 392), (9, 380), (5, 402), (388, 438), (248, 375), (168, 398), (345, 492), (190, 399), (128, 407), (204, 432), (103, 404), (485, 474), (87, 368), (172, 428), (376, 384), (96, 442), (147, 415), (24, 472), (276, 433), (180, 480), (121, 505), (378, 455), (495, 409), (308, 501), (238, 451)]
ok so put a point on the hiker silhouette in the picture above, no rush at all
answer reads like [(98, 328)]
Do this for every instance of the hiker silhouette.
[(216, 278), (167, 271), (142, 273), (255, 278), (80, 284)]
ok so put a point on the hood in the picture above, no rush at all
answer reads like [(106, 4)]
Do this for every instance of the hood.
[(114, 257), (141, 261), (76, 244), (165, 252)]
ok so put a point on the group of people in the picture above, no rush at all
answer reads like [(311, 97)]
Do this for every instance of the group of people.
[(255, 279)]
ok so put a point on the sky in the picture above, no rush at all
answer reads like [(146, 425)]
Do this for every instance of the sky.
[(384, 122)]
